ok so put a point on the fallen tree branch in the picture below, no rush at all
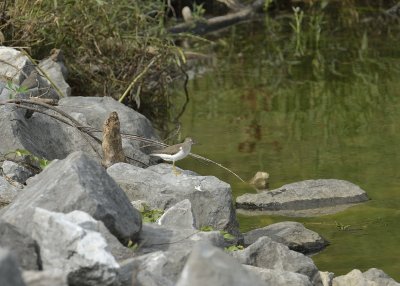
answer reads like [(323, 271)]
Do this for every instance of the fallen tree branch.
[(202, 27)]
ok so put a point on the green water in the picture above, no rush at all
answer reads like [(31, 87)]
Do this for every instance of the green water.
[(332, 112)]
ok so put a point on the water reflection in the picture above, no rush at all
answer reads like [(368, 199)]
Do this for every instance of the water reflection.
[(330, 113)]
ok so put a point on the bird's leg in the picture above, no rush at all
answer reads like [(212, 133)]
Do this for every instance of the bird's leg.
[(176, 172)]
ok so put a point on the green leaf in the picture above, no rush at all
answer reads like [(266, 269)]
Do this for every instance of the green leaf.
[(207, 228)]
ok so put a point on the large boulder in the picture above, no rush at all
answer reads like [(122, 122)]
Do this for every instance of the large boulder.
[(292, 234), (41, 135), (80, 253), (22, 246), (10, 275), (266, 253), (93, 111), (211, 199), (49, 138), (208, 265), (304, 195), (76, 183), (371, 277)]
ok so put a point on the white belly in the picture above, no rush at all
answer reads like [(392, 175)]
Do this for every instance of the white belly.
[(171, 158)]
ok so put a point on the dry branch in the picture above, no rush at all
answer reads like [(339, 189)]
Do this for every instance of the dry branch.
[(202, 27)]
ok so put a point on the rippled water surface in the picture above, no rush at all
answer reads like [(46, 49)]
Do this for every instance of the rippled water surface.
[(318, 105)]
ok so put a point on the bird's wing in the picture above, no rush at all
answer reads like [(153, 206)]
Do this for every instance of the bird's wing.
[(168, 150)]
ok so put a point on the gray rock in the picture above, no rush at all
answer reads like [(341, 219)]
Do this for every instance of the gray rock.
[(211, 198), (57, 72), (85, 221), (179, 215), (279, 277), (140, 205), (266, 253), (372, 277), (380, 277), (309, 194), (96, 110), (81, 254), (22, 246), (326, 278), (7, 192), (10, 274), (157, 268), (45, 278), (292, 234), (16, 172), (34, 134), (208, 265), (41, 135), (36, 85), (18, 67), (154, 238), (77, 183), (163, 252)]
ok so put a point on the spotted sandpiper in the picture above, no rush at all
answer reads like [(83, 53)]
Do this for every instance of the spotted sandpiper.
[(175, 152)]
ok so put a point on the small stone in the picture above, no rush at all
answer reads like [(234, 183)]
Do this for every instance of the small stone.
[(16, 172), (260, 181)]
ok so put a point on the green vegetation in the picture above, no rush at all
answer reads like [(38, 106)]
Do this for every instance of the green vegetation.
[(30, 160), (152, 215), (15, 89), (107, 45), (234, 248), (225, 234)]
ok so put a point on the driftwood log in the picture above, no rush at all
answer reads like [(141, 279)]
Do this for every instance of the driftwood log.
[(205, 26), (112, 141)]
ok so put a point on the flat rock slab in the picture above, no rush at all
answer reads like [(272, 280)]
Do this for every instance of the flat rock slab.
[(304, 195)]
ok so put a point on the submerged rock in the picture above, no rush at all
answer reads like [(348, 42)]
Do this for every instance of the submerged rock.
[(304, 195)]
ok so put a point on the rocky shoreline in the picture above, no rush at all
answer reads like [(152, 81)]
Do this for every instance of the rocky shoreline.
[(73, 222)]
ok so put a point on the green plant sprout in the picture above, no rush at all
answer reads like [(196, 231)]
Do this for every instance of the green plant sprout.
[(42, 163), (15, 89), (152, 215), (296, 26)]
